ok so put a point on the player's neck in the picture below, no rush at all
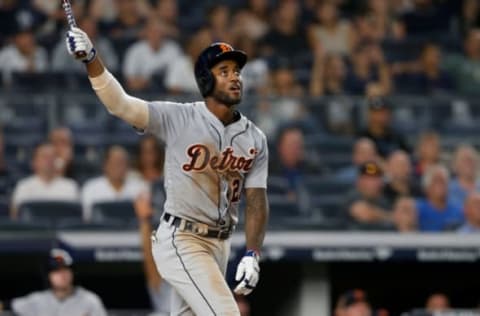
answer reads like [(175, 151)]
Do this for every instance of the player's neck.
[(225, 113)]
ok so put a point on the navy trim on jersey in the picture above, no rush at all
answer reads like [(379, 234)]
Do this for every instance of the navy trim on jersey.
[(239, 133), (219, 206), (188, 274)]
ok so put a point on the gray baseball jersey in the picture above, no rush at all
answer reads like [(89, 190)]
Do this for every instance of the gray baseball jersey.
[(44, 303), (207, 164)]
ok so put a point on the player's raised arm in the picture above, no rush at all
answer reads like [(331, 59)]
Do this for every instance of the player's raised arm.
[(132, 110)]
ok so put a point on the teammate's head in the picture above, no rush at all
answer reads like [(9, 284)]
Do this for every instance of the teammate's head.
[(60, 274), (217, 71)]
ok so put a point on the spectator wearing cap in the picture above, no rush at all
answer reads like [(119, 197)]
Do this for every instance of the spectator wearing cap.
[(471, 209), (367, 204), (45, 184), (378, 129), (364, 150), (353, 303), (62, 297), (398, 176), (465, 182), (435, 212), (23, 55)]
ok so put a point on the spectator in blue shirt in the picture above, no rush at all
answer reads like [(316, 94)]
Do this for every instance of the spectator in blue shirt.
[(436, 212), (465, 163), (472, 215)]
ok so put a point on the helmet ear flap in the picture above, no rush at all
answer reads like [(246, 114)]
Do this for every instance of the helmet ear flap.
[(206, 81)]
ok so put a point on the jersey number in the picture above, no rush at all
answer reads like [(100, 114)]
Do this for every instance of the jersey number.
[(235, 189)]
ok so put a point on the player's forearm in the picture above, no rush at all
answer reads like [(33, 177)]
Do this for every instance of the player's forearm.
[(256, 217), (132, 110), (151, 273)]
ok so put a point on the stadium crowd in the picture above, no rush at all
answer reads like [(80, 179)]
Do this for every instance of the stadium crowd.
[(329, 81)]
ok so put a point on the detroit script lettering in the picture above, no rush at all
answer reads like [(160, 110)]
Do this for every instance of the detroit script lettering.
[(200, 158)]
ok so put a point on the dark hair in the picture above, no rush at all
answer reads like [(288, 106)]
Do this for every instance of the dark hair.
[(159, 149)]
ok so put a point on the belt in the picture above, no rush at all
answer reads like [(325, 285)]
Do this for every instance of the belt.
[(197, 228)]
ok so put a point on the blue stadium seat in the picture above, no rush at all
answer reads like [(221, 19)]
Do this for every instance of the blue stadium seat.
[(8, 225), (122, 211), (49, 211)]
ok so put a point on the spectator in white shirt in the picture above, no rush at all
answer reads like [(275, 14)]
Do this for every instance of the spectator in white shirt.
[(44, 184), (23, 55), (114, 185), (149, 56)]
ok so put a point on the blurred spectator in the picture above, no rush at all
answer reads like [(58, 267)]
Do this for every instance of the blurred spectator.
[(218, 23), (427, 152), (366, 204), (292, 161), (335, 35), (128, 22), (61, 140), (437, 302), (114, 185), (424, 75), (179, 76), (364, 150), (253, 20), (471, 209), (470, 15), (328, 74), (18, 14), (149, 56), (62, 297), (376, 22), (379, 130), (368, 65), (405, 215), (399, 180), (436, 212), (286, 106), (44, 184), (464, 166), (465, 68), (23, 55), (62, 61), (353, 303), (427, 18), (286, 38), (7, 180), (158, 289), (167, 11), (255, 74), (150, 159)]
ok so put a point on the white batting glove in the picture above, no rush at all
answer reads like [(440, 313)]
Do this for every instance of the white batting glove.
[(77, 41), (248, 273)]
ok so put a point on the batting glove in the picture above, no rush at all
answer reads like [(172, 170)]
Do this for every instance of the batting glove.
[(77, 41), (248, 273)]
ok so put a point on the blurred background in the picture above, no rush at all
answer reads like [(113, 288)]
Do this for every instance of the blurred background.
[(371, 111)]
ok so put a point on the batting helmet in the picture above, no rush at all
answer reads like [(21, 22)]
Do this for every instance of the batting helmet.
[(211, 56)]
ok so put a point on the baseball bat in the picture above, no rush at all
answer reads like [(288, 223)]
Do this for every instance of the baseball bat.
[(67, 7)]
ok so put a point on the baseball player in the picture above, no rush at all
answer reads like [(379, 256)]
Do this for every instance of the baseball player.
[(213, 154)]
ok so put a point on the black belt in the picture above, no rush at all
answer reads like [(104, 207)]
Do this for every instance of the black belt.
[(197, 228)]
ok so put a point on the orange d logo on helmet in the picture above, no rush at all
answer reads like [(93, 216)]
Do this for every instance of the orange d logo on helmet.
[(225, 47)]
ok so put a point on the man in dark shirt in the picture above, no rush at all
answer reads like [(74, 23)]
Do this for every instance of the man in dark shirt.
[(379, 130)]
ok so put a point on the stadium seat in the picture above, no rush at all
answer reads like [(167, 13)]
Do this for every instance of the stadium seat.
[(12, 226), (4, 209), (51, 211), (117, 211)]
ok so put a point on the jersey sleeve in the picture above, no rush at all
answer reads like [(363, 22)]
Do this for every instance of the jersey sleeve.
[(24, 306), (257, 176), (167, 119)]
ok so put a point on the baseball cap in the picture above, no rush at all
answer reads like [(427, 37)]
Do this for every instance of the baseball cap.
[(351, 297), (370, 168), (377, 103), (58, 259)]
